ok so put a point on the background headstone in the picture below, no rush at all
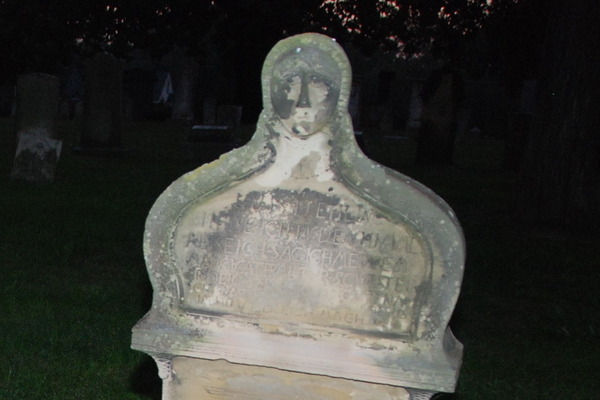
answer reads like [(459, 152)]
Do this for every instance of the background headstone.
[(185, 82), (230, 116), (206, 143), (38, 98), (415, 108), (138, 89), (36, 158), (209, 111), (139, 78), (438, 128), (519, 127), (73, 89), (38, 149), (103, 105)]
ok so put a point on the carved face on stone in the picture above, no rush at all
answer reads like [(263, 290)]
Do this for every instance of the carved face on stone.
[(305, 88)]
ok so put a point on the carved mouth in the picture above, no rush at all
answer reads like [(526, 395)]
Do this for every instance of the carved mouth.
[(299, 130)]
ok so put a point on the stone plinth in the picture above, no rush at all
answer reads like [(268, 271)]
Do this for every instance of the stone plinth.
[(295, 267), (219, 379)]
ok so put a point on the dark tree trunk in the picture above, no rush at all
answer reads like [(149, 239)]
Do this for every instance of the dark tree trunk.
[(559, 182)]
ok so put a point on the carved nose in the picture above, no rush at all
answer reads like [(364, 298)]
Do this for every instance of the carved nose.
[(303, 99)]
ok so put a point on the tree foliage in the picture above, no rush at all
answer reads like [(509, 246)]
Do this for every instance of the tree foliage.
[(30, 37), (38, 33), (412, 27)]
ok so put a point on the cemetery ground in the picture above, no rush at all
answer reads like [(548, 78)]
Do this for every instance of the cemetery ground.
[(73, 280)]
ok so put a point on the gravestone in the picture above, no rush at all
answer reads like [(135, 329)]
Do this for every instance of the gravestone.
[(73, 89), (206, 142), (38, 149), (138, 90), (294, 266), (230, 116), (38, 97), (36, 158), (185, 89), (415, 108), (438, 126), (516, 139), (103, 105), (209, 111)]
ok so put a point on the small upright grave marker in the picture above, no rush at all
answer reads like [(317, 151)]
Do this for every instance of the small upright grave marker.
[(295, 267), (207, 141), (209, 111), (36, 158), (230, 116)]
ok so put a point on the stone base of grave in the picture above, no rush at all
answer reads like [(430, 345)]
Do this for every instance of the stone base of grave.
[(191, 379), (376, 362)]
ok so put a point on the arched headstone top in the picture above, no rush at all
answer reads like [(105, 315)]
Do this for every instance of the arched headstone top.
[(303, 63)]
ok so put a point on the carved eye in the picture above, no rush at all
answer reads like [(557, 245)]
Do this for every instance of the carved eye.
[(319, 80), (291, 78)]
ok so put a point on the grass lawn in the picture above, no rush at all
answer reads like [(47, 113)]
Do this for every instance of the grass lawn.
[(73, 280)]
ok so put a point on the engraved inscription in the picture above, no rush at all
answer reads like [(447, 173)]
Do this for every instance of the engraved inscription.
[(302, 256)]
